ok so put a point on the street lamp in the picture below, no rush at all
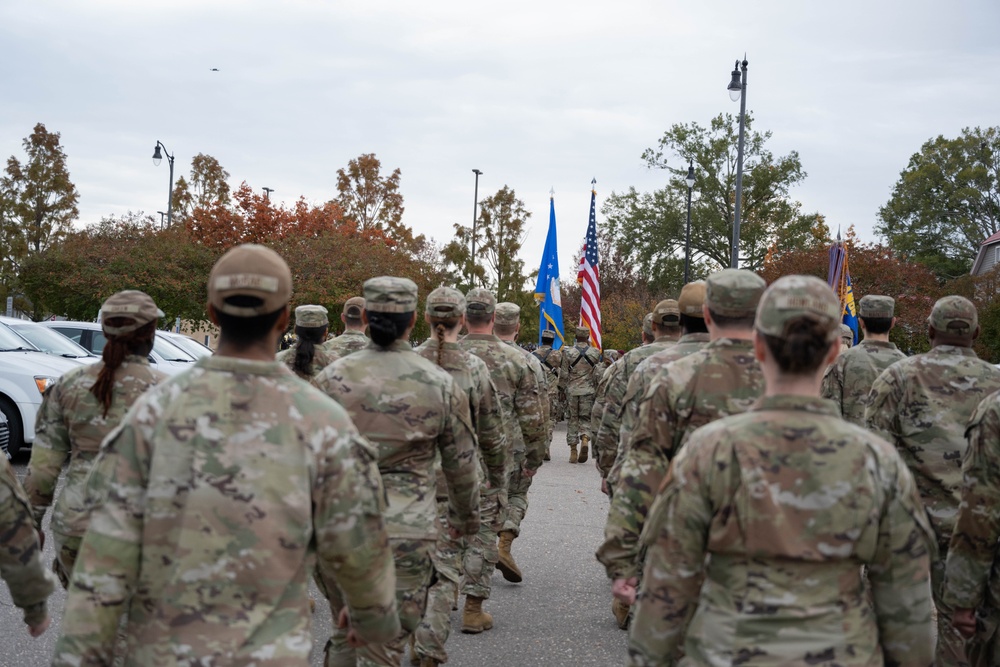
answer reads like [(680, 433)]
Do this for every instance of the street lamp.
[(267, 193), (687, 236), (475, 211), (170, 191), (163, 214), (738, 91)]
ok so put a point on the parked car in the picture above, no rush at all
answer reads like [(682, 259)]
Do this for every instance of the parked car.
[(25, 374), (4, 435), (165, 356), (48, 341), (188, 344)]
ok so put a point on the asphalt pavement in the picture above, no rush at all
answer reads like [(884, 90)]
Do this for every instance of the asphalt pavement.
[(560, 615)]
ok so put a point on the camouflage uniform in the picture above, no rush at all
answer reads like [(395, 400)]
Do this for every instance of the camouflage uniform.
[(971, 576), (519, 483), (346, 343), (775, 510), (20, 553), (315, 317), (610, 376), (226, 487), (71, 425), (578, 377), (551, 361), (922, 405)]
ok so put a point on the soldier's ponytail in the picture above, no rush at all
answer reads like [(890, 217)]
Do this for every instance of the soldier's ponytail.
[(441, 326), (386, 328), (305, 348), (138, 342)]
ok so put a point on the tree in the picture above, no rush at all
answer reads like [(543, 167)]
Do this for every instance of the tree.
[(373, 202), (946, 202), (208, 187), (37, 202)]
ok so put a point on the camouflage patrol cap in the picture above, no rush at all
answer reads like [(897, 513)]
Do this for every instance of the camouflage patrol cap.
[(692, 298), (131, 304), (846, 334), (582, 331), (667, 313), (955, 313), (792, 297), (876, 305), (548, 334), (481, 300), (445, 302), (734, 292), (647, 324), (508, 313), (353, 307), (390, 294), (250, 270), (311, 316)]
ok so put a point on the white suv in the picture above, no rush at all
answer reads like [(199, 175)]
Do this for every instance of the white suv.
[(165, 356)]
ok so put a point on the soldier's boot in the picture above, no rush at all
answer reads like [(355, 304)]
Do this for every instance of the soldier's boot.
[(584, 449), (573, 456), (312, 605), (474, 619), (454, 602), (414, 657), (505, 562), (621, 611), (428, 661), (548, 454)]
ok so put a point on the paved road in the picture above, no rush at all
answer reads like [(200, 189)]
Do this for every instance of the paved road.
[(559, 616)]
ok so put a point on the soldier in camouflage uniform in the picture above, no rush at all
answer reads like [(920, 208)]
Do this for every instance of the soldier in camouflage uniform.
[(578, 378), (79, 410), (849, 379), (21, 554), (307, 357), (776, 510), (445, 313), (721, 380), (414, 413), (226, 487), (551, 361), (524, 416), (846, 337), (922, 405), (353, 338)]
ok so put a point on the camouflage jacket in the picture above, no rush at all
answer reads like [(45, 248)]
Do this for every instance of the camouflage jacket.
[(226, 488), (520, 397), (580, 370), (551, 361), (346, 343), (539, 372), (321, 359), (473, 377), (609, 376), (777, 510), (71, 425), (20, 555), (849, 379), (721, 380), (922, 405), (413, 412)]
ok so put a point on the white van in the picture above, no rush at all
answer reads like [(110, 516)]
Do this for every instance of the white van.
[(165, 357)]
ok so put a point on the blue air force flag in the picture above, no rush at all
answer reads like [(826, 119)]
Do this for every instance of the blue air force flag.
[(547, 292)]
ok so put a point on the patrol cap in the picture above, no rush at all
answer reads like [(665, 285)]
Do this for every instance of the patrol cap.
[(692, 298), (250, 270), (846, 334), (390, 294), (955, 313), (548, 334), (876, 305), (508, 313), (734, 292), (582, 331), (667, 313), (131, 304), (792, 297), (445, 302), (481, 300), (353, 307), (647, 324), (311, 316)]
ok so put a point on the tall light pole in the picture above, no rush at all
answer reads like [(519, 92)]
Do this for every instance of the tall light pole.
[(170, 191), (687, 235), (163, 214), (475, 212), (738, 91), (267, 193)]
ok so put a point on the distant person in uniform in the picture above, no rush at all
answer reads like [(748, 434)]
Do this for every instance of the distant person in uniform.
[(551, 361), (353, 338), (307, 357), (578, 378)]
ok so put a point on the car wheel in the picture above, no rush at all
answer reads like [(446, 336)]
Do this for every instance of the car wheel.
[(13, 416)]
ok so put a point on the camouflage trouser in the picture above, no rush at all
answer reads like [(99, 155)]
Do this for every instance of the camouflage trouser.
[(578, 420), (67, 549), (553, 417), (950, 649), (517, 495), (435, 626), (414, 572), (480, 555)]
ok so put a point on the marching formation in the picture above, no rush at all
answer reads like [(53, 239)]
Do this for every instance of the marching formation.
[(777, 496)]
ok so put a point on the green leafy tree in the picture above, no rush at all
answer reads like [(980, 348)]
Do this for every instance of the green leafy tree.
[(373, 201), (208, 187), (946, 202)]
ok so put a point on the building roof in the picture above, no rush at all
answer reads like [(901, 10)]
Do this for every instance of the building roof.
[(981, 255)]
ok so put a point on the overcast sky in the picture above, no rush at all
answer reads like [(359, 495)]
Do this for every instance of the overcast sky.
[(537, 95)]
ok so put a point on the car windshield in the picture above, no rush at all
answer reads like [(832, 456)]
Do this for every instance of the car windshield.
[(169, 351), (192, 347), (50, 341), (10, 341)]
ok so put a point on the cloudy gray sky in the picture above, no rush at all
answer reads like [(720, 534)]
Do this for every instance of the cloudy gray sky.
[(535, 94)]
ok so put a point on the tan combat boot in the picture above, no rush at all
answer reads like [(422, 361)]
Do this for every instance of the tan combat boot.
[(548, 454), (428, 661), (584, 450), (573, 456), (620, 610), (414, 658), (505, 563), (474, 619)]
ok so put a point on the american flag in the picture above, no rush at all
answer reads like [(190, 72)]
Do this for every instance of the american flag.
[(589, 277)]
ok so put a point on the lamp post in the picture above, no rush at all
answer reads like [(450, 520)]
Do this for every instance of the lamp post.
[(687, 235), (267, 193), (170, 191), (475, 211), (163, 214), (738, 91)]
